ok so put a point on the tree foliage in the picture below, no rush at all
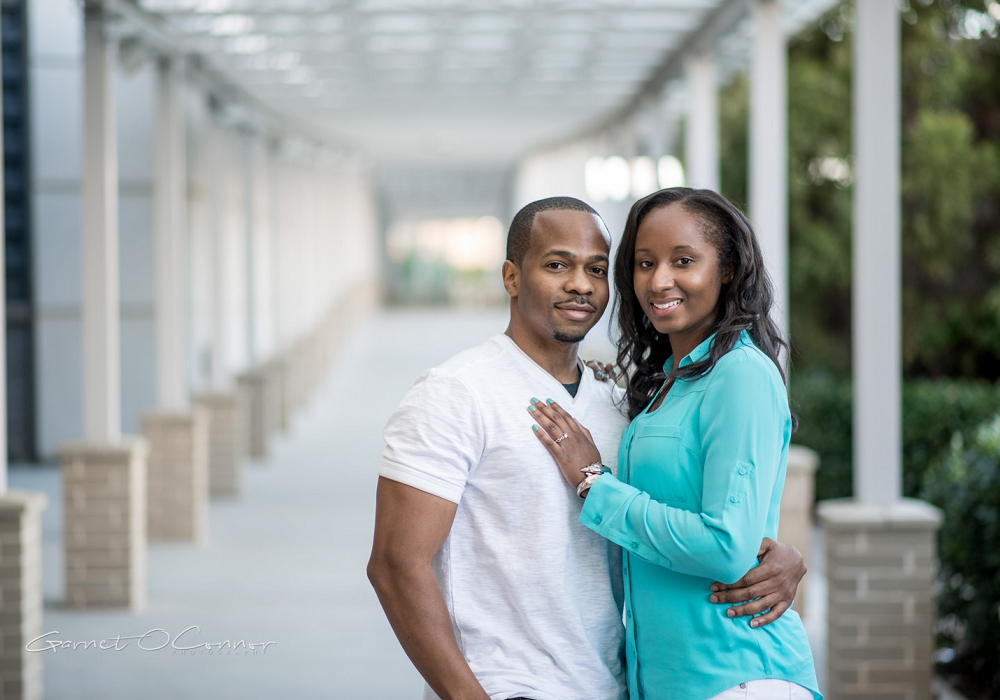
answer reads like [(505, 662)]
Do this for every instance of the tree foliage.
[(950, 187)]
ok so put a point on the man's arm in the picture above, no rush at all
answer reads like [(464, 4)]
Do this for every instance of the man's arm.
[(773, 583), (410, 528)]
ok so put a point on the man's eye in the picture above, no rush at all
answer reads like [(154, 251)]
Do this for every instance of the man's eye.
[(599, 271), (555, 265)]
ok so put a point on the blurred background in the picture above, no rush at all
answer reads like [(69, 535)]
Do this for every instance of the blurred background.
[(241, 228)]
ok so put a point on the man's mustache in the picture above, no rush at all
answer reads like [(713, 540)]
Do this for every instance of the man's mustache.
[(578, 301)]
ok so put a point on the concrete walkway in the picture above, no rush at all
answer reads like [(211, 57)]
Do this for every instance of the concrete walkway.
[(285, 563)]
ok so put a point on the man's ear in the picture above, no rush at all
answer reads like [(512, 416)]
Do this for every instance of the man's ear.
[(511, 278)]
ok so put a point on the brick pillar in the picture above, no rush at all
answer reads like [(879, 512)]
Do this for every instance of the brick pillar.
[(224, 442), (796, 526), (295, 377), (274, 397), (177, 497), (250, 395), (104, 523), (20, 593), (880, 565)]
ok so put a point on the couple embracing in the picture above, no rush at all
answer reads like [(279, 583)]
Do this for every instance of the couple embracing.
[(543, 534)]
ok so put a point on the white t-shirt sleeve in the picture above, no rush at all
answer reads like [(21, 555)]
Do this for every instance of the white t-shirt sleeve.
[(435, 437)]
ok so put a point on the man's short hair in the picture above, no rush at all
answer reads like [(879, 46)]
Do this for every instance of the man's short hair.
[(519, 236)]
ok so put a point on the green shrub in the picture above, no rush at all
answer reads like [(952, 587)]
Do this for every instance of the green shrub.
[(966, 486), (822, 403), (934, 410)]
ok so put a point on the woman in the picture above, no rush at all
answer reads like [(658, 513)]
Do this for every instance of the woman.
[(702, 465)]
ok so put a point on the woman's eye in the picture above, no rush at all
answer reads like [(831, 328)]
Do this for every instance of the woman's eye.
[(645, 264), (685, 261)]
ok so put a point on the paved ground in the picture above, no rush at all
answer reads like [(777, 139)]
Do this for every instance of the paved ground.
[(284, 562)]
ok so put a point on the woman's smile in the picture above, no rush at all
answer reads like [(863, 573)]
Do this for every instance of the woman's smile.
[(677, 276)]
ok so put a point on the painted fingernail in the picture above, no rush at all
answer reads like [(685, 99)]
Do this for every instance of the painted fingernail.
[(535, 428), (549, 401), (600, 375), (731, 612), (531, 408), (714, 598), (534, 400)]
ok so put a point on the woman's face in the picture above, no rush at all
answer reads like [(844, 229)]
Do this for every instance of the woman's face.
[(676, 276)]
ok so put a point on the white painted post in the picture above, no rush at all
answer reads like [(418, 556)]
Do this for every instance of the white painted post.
[(101, 381), (768, 186), (876, 257), (251, 225), (171, 223), (219, 184), (701, 147)]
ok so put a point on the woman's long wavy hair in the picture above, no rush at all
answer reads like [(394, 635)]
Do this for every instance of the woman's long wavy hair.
[(744, 303)]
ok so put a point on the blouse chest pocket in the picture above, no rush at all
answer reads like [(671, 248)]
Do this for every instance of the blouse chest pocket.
[(660, 465)]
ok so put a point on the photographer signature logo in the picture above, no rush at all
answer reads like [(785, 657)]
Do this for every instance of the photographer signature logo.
[(154, 640)]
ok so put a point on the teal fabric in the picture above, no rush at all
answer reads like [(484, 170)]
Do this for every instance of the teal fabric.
[(698, 488)]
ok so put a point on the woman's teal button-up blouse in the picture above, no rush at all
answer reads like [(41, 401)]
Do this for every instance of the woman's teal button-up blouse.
[(698, 488)]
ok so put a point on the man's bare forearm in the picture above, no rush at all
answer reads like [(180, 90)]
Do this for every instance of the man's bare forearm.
[(413, 603)]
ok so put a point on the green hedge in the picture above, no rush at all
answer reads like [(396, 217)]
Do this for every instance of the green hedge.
[(965, 484), (934, 410)]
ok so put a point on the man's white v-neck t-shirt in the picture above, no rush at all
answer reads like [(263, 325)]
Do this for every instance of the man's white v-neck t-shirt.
[(535, 598)]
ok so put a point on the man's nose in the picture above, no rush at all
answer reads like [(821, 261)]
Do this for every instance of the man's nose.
[(580, 282)]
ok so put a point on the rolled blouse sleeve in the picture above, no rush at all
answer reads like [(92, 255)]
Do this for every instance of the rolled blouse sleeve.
[(744, 426)]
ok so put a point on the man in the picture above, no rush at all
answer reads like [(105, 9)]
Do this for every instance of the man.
[(491, 585)]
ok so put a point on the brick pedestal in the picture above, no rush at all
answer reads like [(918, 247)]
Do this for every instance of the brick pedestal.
[(225, 458), (20, 593), (250, 393), (177, 475), (104, 523), (275, 415), (796, 526), (880, 563)]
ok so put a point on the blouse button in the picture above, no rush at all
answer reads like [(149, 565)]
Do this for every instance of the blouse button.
[(597, 519), (734, 499), (743, 471), (635, 545)]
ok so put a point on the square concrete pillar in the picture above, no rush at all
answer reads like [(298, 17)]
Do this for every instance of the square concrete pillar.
[(225, 457), (796, 526), (177, 475), (20, 593), (104, 523), (252, 412), (880, 564)]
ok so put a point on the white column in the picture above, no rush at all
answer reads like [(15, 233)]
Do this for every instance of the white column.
[(171, 225), (219, 288), (701, 146), (876, 256), (277, 229), (768, 185), (250, 223), (101, 381)]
